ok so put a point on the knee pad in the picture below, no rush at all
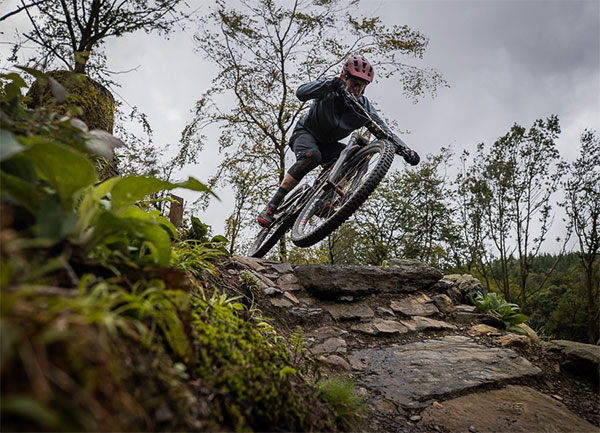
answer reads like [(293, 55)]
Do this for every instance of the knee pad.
[(306, 163)]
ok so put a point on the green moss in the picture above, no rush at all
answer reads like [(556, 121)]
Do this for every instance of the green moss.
[(261, 388), (92, 102)]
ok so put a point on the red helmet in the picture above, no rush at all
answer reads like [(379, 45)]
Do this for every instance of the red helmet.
[(359, 67)]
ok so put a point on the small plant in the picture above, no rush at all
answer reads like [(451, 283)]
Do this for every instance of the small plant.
[(509, 313), (249, 283), (195, 257), (340, 394), (298, 341)]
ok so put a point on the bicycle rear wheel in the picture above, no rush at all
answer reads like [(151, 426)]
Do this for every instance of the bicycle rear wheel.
[(361, 174), (267, 237)]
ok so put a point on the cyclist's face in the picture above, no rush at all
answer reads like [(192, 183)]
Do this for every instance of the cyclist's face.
[(355, 86)]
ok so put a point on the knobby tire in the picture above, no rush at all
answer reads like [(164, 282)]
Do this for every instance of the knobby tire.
[(267, 237), (303, 238)]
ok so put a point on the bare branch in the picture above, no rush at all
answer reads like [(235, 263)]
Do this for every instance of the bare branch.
[(20, 9)]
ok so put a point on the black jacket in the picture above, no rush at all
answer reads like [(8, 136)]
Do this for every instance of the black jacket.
[(329, 119)]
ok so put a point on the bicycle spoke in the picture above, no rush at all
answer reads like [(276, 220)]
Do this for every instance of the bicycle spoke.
[(331, 205)]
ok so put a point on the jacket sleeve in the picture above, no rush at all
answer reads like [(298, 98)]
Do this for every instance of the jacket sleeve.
[(371, 111), (314, 90)]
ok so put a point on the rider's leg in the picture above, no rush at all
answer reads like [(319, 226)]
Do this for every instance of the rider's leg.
[(308, 156)]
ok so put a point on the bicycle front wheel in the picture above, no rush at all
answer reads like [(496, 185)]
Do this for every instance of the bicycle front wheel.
[(330, 206)]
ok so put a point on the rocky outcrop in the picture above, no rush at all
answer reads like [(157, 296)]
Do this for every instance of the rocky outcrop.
[(511, 409), (421, 356), (579, 358), (332, 281)]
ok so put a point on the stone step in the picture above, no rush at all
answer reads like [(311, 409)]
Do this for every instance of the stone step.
[(331, 281), (415, 374), (511, 409)]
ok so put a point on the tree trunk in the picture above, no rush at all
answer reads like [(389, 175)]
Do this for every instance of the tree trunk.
[(94, 102), (592, 314), (176, 211)]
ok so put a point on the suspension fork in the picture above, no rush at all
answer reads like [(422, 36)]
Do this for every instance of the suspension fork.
[(337, 168)]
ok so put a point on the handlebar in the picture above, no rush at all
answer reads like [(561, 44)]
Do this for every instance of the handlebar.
[(371, 124)]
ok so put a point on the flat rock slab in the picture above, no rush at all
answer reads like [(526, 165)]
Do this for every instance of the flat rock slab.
[(381, 326), (349, 311), (425, 323), (512, 409), (419, 305), (336, 280), (414, 374), (581, 358)]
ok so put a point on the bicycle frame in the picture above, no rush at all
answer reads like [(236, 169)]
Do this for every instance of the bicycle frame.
[(328, 179)]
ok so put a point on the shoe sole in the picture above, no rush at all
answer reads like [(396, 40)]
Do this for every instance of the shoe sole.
[(263, 222)]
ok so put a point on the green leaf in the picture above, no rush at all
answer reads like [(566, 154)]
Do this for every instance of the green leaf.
[(91, 205), (517, 318), (15, 78), (66, 170), (195, 185), (139, 225), (105, 224), (9, 145), (512, 328), (22, 167), (28, 407), (161, 241), (24, 193), (52, 221), (32, 71), (131, 189)]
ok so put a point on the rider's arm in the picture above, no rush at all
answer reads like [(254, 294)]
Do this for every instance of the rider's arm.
[(371, 111), (315, 89)]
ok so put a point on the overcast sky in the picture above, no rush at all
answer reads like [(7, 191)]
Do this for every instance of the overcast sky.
[(506, 62)]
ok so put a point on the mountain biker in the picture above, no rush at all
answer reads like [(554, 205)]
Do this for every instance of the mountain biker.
[(315, 139)]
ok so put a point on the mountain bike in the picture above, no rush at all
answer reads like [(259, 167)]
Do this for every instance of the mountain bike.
[(313, 211)]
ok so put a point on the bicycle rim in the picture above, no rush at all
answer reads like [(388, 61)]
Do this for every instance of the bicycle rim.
[(361, 175), (267, 237)]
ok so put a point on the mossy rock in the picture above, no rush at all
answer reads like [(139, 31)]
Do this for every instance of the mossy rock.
[(92, 101), (87, 100)]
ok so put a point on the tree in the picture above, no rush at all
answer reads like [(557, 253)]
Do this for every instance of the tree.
[(73, 33), (535, 177), (582, 205), (410, 216), (513, 184), (470, 218), (264, 50)]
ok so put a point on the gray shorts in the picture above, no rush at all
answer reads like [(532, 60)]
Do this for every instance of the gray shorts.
[(304, 144)]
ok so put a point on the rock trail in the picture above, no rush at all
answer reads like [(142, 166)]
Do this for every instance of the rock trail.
[(407, 337)]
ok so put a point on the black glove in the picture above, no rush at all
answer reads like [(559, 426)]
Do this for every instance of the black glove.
[(338, 85), (410, 156)]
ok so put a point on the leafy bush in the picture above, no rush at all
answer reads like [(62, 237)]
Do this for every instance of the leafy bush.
[(51, 185), (492, 304)]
